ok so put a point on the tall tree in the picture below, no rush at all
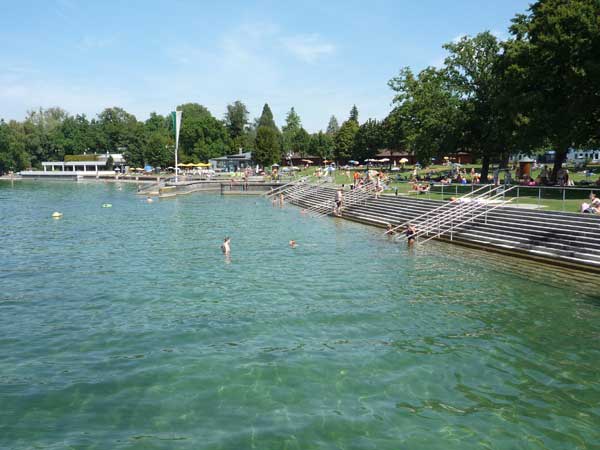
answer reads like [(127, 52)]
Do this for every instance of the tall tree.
[(368, 140), (202, 136), (268, 139), (290, 130), (321, 144), (13, 156), (301, 142), (393, 135), (236, 120), (432, 111), (266, 118), (344, 140), (268, 146), (472, 69), (333, 126), (354, 114), (552, 68), (122, 132)]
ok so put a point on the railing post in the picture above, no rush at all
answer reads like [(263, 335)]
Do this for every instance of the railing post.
[(539, 196), (518, 194), (563, 202)]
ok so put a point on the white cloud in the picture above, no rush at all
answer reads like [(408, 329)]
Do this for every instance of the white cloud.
[(308, 48)]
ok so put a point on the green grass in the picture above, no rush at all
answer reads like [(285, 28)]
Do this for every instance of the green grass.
[(550, 199)]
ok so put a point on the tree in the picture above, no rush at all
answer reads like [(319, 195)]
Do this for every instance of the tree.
[(552, 70), (119, 130), (301, 142), (268, 139), (268, 148), (321, 144), (266, 118), (368, 140), (432, 124), (202, 136), (393, 135), (472, 70), (290, 129), (236, 120), (354, 114), (159, 149), (13, 156), (332, 127), (344, 140)]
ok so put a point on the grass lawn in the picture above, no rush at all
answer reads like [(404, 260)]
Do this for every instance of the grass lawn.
[(548, 199)]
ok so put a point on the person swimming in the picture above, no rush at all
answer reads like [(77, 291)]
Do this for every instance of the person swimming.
[(149, 199), (225, 248), (390, 230), (293, 244)]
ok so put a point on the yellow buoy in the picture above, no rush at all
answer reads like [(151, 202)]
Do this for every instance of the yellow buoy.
[(56, 215)]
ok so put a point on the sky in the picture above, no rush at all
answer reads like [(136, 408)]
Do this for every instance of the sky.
[(320, 57)]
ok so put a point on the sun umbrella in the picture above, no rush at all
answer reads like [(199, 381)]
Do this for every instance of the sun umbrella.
[(403, 160), (384, 160), (307, 161)]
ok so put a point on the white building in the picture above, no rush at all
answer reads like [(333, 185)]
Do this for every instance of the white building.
[(97, 166), (581, 156)]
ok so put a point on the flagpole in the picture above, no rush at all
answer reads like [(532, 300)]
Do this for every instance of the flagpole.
[(176, 115)]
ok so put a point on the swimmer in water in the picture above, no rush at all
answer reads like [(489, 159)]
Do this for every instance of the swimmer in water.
[(390, 230), (149, 199), (225, 248), (293, 244)]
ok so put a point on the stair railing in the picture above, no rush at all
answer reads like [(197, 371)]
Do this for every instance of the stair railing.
[(446, 206), (291, 184), (445, 222)]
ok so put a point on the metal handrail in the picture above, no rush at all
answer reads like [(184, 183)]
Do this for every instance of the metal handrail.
[(449, 213), (458, 213), (303, 191), (279, 188), (353, 197), (444, 206), (487, 210)]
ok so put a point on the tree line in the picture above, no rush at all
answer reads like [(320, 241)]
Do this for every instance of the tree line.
[(538, 89)]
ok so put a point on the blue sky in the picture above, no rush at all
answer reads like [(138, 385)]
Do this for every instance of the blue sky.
[(318, 56)]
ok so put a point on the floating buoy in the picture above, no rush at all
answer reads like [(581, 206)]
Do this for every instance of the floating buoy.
[(56, 215), (107, 205)]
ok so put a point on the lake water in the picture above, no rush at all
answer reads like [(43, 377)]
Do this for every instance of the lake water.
[(126, 328)]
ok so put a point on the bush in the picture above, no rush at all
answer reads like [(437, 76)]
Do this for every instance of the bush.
[(74, 158)]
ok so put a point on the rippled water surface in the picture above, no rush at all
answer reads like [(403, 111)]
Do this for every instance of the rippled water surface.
[(125, 327)]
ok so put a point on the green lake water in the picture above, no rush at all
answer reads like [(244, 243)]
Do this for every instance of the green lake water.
[(126, 328)]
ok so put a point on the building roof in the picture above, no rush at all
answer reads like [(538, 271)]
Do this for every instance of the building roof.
[(237, 156)]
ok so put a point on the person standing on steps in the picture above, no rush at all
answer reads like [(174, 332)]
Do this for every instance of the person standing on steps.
[(339, 202)]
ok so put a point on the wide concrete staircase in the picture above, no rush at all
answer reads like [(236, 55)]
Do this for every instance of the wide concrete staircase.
[(566, 238)]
